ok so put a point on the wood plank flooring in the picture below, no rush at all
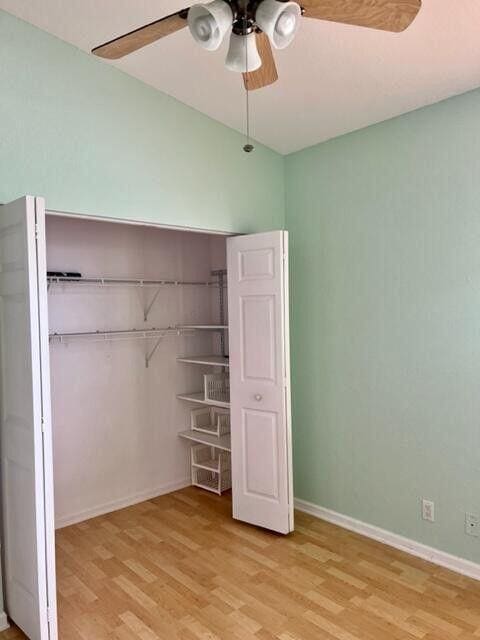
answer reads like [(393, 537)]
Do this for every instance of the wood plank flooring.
[(179, 568)]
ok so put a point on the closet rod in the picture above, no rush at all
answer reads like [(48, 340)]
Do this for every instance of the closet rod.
[(128, 281)]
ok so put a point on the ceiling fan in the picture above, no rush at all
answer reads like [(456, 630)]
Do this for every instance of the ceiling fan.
[(255, 25)]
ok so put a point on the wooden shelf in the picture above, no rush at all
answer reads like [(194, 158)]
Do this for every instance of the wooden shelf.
[(222, 442), (214, 361), (205, 327), (200, 399), (210, 465), (208, 485)]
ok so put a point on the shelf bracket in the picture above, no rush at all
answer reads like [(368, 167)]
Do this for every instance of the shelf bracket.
[(149, 356), (148, 308)]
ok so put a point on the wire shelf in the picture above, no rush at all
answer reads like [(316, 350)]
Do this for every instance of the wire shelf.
[(122, 334), (130, 282), (210, 360)]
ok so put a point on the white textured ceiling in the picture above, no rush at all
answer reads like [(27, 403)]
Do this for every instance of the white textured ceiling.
[(333, 78)]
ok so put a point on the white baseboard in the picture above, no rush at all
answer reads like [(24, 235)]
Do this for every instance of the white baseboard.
[(441, 558), (115, 505), (3, 621)]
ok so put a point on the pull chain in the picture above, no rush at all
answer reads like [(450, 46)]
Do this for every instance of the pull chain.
[(248, 148)]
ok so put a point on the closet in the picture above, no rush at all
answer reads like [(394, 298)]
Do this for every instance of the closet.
[(136, 360), (141, 297)]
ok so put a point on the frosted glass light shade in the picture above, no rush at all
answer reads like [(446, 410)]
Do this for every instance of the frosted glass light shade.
[(279, 20), (208, 23), (243, 48)]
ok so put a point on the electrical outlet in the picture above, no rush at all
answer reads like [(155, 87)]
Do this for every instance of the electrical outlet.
[(428, 510), (472, 525)]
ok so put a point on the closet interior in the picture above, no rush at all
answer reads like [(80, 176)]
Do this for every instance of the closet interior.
[(138, 332)]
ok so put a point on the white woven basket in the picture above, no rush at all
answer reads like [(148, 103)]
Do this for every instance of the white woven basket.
[(217, 387), (211, 468), (213, 420)]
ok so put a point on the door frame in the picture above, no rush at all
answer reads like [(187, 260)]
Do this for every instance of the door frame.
[(158, 225), (139, 222)]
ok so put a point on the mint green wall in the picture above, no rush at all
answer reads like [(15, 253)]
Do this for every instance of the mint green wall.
[(94, 140), (385, 243)]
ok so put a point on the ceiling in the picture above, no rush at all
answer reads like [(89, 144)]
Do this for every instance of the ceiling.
[(333, 78)]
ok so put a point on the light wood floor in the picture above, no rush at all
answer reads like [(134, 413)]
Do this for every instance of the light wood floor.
[(179, 568)]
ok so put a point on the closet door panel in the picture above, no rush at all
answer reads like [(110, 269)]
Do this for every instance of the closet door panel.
[(259, 380), (27, 487)]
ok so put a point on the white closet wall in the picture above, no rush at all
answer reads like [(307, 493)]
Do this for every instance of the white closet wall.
[(115, 422)]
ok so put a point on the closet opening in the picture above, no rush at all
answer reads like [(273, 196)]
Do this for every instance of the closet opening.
[(138, 333), (136, 361)]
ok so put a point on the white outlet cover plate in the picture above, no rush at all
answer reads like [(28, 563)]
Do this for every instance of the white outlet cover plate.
[(472, 525), (428, 510)]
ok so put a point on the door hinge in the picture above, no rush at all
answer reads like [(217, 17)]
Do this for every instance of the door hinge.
[(42, 421), (50, 622), (36, 230)]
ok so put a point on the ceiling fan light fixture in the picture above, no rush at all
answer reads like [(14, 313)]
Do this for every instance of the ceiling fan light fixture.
[(279, 20), (243, 48), (208, 23)]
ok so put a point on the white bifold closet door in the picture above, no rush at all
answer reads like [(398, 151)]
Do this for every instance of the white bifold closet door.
[(26, 446), (262, 487)]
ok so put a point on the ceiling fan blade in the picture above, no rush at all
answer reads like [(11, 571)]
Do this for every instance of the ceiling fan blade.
[(267, 73), (142, 36), (388, 15)]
